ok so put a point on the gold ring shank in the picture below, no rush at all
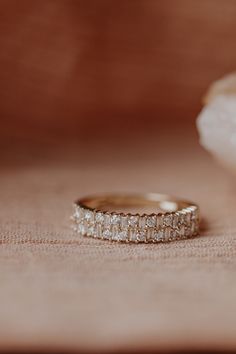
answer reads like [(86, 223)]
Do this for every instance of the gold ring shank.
[(103, 217)]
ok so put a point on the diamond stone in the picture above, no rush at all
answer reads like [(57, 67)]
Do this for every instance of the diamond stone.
[(115, 219), (159, 220), (175, 220), (99, 217), (90, 231), (142, 222), (167, 233), (122, 236), (182, 231), (150, 234), (182, 217), (115, 233), (133, 235), (98, 231), (82, 229), (141, 236), (78, 214), (168, 219), (133, 220), (159, 235), (174, 235), (88, 215), (124, 221), (107, 234), (194, 212), (107, 220), (151, 221)]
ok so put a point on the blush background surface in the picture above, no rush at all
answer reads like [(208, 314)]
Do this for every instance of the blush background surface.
[(102, 96)]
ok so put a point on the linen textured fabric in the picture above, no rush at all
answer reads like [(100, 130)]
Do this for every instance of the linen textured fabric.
[(63, 291)]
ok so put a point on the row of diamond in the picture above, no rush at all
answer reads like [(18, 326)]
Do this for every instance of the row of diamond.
[(137, 228)]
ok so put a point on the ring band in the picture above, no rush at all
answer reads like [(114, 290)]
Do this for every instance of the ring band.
[(174, 219)]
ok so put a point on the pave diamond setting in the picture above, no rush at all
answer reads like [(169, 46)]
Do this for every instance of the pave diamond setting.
[(162, 227)]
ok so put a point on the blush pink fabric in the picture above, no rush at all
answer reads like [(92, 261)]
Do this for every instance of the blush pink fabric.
[(62, 291)]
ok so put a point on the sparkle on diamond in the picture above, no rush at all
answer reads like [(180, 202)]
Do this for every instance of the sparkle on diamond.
[(133, 235), (99, 217), (159, 235), (90, 231), (151, 221), (123, 235), (142, 236), (168, 219), (133, 220), (115, 219), (107, 234)]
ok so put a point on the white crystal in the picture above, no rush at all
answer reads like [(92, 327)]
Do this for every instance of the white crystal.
[(217, 128)]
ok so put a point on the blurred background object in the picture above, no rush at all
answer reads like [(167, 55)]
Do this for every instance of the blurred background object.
[(225, 86), (73, 68), (217, 121)]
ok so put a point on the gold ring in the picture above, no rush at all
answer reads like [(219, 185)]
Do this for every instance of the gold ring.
[(162, 218)]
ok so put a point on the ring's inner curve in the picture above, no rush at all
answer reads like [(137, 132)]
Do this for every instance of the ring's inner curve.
[(147, 203)]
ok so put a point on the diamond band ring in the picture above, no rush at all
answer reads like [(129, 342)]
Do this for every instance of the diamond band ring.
[(167, 218)]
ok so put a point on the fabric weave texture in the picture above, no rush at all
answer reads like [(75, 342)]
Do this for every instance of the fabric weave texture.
[(63, 291)]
